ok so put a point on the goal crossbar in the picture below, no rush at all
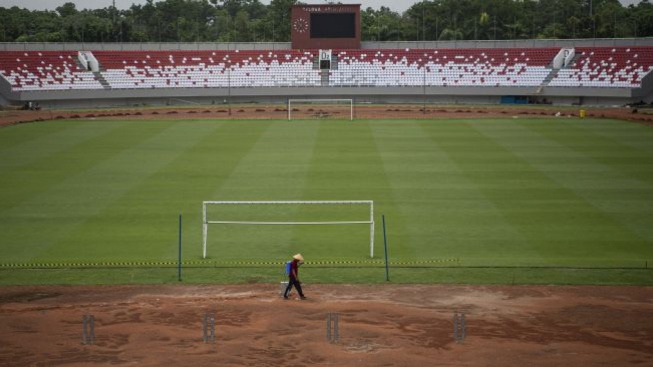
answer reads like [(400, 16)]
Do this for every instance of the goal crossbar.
[(370, 222), (286, 223), (291, 202)]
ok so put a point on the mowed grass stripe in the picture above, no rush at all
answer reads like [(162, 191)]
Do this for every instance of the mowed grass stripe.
[(585, 228), (386, 204), (35, 211), (46, 145), (510, 172), (274, 169), (446, 213), (212, 162), (623, 159), (143, 223), (634, 135), (400, 152), (537, 207), (412, 172), (346, 166), (26, 181), (486, 230), (605, 182), (39, 224), (19, 134)]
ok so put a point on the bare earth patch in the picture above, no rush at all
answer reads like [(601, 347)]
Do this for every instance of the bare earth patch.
[(391, 325), (360, 112)]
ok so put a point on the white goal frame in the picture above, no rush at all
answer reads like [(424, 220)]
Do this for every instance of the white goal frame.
[(324, 100), (205, 222)]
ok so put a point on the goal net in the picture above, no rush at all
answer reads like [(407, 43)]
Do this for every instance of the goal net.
[(263, 228), (305, 109)]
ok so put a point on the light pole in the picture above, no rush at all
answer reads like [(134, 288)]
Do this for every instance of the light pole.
[(424, 88), (229, 87), (593, 20), (423, 21), (514, 27), (437, 35)]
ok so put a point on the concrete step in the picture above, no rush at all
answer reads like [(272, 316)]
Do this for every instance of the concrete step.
[(79, 64), (549, 78), (334, 62), (573, 61), (102, 81), (324, 75)]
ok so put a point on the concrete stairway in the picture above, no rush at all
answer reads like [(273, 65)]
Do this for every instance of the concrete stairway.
[(324, 74), (554, 73), (102, 81)]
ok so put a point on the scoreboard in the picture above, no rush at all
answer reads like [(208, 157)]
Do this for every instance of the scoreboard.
[(326, 26)]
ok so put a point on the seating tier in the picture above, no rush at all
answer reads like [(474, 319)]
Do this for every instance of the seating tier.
[(45, 70), (208, 69), (443, 67), (606, 67)]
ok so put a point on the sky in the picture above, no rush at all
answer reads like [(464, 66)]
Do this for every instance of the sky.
[(396, 5)]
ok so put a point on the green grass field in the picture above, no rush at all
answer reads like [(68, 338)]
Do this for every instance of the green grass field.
[(563, 201)]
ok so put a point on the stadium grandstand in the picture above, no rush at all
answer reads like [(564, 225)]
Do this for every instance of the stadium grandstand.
[(594, 72), (166, 168), (326, 58)]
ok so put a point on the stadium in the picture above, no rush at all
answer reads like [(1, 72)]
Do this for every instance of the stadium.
[(458, 202)]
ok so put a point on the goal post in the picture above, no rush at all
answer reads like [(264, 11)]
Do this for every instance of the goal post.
[(321, 108), (364, 221)]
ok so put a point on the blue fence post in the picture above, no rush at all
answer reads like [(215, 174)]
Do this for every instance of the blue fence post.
[(385, 246), (179, 268)]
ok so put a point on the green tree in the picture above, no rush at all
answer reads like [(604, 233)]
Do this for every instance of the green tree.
[(450, 35), (251, 20), (241, 26), (279, 14), (67, 10), (383, 25), (573, 23), (642, 16)]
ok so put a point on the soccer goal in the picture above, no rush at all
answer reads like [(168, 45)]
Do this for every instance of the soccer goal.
[(250, 216), (304, 109)]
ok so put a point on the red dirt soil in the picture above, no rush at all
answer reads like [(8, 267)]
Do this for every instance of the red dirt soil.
[(361, 112), (380, 325)]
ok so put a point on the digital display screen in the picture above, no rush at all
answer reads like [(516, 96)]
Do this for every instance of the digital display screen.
[(333, 25)]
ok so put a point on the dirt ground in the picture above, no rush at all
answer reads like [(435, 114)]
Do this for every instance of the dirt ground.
[(360, 112), (380, 325)]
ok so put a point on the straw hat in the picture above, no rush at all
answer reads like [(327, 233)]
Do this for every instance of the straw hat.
[(298, 257)]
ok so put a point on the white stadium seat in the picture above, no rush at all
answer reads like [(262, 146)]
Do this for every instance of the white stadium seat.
[(606, 67)]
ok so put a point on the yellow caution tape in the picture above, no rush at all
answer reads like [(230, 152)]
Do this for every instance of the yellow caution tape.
[(216, 263)]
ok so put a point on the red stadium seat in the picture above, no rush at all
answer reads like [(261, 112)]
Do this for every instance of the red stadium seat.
[(616, 67), (609, 67), (45, 70)]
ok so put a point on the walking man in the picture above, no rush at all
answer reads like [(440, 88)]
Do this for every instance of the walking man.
[(293, 276)]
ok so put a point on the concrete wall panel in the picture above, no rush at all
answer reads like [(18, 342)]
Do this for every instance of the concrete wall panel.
[(131, 97), (55, 46)]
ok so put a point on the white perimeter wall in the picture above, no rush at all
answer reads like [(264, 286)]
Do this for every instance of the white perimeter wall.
[(594, 42)]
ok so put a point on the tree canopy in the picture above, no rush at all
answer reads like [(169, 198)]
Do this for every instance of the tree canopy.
[(253, 21)]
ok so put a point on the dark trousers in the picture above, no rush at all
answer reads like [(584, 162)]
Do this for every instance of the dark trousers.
[(298, 286)]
